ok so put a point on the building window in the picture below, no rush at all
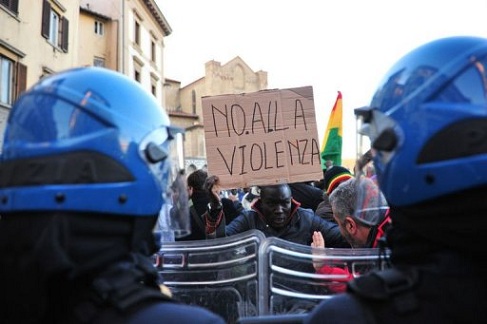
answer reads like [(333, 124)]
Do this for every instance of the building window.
[(55, 28), (99, 61), (46, 71), (153, 81), (13, 79), (153, 51), (99, 28), (6, 80), (138, 65), (12, 5), (137, 33)]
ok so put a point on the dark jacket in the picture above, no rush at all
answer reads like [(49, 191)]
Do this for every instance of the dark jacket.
[(438, 272), (449, 289), (324, 210), (199, 201), (378, 232), (307, 195), (299, 230), (84, 268)]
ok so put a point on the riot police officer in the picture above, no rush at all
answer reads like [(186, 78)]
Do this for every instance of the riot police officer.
[(427, 125), (84, 171)]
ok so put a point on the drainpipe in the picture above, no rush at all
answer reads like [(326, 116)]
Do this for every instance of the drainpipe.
[(122, 36)]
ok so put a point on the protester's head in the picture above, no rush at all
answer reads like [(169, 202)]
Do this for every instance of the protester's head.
[(196, 181), (87, 140), (276, 204), (335, 175), (357, 205), (427, 120)]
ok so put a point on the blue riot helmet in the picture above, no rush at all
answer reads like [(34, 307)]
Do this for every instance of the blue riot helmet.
[(88, 140), (427, 122)]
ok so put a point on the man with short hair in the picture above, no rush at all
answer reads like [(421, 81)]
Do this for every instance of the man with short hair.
[(275, 213), (361, 228)]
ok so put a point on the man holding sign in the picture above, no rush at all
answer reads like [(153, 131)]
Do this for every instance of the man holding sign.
[(275, 213), (267, 139)]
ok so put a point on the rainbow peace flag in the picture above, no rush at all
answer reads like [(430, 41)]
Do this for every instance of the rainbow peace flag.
[(331, 148)]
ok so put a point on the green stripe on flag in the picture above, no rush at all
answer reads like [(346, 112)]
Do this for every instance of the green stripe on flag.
[(333, 148)]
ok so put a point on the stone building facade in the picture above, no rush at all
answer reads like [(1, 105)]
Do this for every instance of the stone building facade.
[(41, 37), (184, 103)]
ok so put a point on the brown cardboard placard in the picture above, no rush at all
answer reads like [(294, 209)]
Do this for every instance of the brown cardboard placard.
[(262, 138)]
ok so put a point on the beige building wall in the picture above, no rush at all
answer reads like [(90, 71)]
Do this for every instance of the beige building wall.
[(186, 120), (98, 46), (31, 56), (141, 29), (23, 32), (173, 99), (233, 77)]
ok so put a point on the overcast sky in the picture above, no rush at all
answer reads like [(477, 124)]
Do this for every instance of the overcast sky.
[(332, 45)]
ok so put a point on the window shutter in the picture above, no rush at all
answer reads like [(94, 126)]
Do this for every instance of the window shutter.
[(65, 36), (14, 6), (46, 18), (20, 79)]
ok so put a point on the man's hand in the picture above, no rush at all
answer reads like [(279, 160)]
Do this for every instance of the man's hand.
[(318, 242), (233, 195), (215, 210)]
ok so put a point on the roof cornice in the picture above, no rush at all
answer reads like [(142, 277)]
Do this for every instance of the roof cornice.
[(156, 12)]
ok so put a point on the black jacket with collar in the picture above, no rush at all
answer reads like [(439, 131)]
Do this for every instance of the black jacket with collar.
[(299, 229), (200, 202)]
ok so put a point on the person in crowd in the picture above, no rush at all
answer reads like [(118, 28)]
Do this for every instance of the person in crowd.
[(324, 209), (426, 125), (198, 205), (335, 175), (251, 196), (362, 227), (306, 194), (275, 213), (332, 177), (85, 166), (320, 184)]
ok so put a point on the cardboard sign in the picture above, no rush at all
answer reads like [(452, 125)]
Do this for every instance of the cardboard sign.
[(262, 138)]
